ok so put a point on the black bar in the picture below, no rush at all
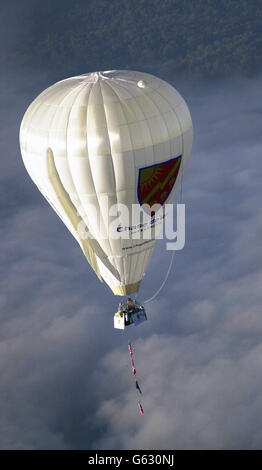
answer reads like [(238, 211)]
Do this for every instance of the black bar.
[(178, 459)]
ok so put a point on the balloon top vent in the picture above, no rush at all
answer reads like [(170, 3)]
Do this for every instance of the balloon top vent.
[(141, 84)]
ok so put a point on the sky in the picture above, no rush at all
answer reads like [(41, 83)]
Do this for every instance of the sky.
[(65, 377)]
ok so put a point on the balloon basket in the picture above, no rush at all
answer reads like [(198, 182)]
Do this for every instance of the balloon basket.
[(124, 318)]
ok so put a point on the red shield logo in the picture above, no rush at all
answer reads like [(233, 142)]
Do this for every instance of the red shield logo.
[(155, 182)]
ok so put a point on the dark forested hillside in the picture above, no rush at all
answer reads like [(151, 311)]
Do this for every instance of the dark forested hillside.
[(191, 37)]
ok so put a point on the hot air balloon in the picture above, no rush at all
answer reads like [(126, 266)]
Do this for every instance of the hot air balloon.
[(102, 140)]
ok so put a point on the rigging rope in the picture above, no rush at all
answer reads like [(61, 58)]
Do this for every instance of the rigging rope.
[(164, 281)]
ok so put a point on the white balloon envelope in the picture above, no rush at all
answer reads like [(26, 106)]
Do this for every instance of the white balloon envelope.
[(101, 142)]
